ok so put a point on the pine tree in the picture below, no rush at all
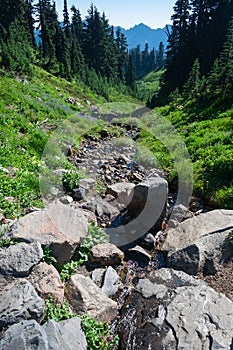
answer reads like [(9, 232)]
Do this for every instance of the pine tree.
[(15, 32), (160, 59), (191, 87)]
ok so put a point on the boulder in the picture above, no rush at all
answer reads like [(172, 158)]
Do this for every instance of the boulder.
[(19, 259), (64, 335), (112, 282), (25, 335), (106, 254), (86, 298), (58, 226), (200, 244), (172, 310), (19, 301), (145, 212), (46, 280), (122, 192)]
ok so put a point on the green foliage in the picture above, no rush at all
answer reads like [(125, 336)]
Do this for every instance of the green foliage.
[(98, 334), (5, 242), (47, 257), (95, 236), (57, 312), (70, 180), (68, 270)]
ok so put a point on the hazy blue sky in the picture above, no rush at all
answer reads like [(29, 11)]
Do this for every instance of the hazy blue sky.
[(127, 13)]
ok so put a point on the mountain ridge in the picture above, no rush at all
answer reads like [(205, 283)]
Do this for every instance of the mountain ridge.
[(140, 34)]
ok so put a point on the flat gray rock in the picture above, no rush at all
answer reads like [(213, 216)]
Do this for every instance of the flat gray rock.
[(59, 226), (19, 259), (19, 301)]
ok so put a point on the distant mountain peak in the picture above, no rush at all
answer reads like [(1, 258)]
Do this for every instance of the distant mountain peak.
[(140, 34)]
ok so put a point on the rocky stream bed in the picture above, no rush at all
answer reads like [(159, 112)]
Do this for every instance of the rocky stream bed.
[(155, 290)]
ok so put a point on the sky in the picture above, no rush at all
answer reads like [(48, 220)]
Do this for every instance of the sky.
[(127, 13)]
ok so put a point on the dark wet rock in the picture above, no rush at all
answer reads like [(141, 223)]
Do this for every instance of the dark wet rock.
[(85, 297), (19, 301), (200, 244), (104, 133), (78, 194), (138, 254), (19, 259), (106, 254), (147, 241), (172, 310)]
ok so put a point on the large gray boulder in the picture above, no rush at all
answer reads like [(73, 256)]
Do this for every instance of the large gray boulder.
[(58, 226), (145, 211), (172, 310), (19, 259), (25, 335), (19, 301), (85, 296), (65, 335), (29, 335), (201, 243)]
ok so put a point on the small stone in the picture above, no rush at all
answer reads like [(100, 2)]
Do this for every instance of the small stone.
[(98, 276), (66, 200), (78, 194), (106, 254), (112, 282)]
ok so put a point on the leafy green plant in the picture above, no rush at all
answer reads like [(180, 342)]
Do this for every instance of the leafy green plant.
[(6, 242), (47, 257), (98, 334), (95, 236), (68, 270), (57, 312)]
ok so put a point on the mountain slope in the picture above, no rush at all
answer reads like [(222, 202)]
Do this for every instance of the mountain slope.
[(142, 34)]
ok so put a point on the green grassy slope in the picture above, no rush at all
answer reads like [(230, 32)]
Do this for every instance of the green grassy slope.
[(30, 111), (208, 135)]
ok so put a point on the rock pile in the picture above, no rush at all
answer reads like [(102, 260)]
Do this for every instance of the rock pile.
[(149, 308)]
